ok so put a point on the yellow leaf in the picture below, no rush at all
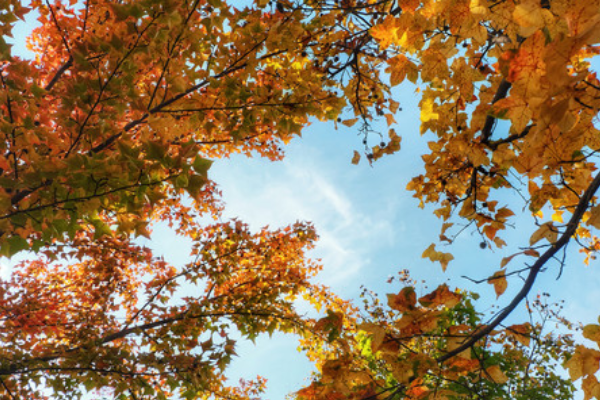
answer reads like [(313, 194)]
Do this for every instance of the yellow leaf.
[(385, 32), (499, 282), (427, 110), (590, 387), (557, 216), (444, 259), (592, 332), (583, 362), (443, 394), (402, 371), (433, 255), (400, 67), (515, 109), (504, 213), (478, 7), (429, 252), (529, 14), (332, 369), (499, 242), (393, 105), (376, 332), (568, 122)]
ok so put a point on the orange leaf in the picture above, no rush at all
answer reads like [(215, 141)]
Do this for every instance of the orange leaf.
[(442, 296), (531, 253), (506, 260), (499, 282), (390, 119), (350, 122)]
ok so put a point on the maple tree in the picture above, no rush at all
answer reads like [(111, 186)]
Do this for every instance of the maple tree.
[(112, 127), (394, 351)]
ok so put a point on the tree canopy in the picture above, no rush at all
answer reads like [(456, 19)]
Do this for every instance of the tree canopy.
[(112, 128)]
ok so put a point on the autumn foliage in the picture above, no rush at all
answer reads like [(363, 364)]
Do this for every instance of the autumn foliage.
[(110, 128), (401, 350)]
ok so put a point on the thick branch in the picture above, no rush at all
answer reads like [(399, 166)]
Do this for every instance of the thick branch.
[(495, 143), (21, 195), (488, 126), (59, 74), (572, 225)]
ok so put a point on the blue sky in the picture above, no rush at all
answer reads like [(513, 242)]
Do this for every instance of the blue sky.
[(370, 228)]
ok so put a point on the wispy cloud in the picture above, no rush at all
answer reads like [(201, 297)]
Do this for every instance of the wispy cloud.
[(277, 194)]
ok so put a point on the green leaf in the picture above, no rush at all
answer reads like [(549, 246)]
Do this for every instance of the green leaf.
[(181, 181), (195, 185), (202, 165), (154, 151)]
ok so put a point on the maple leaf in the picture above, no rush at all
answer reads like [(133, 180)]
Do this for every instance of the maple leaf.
[(441, 257), (546, 231), (498, 279), (403, 301), (442, 296), (584, 362), (496, 374), (112, 127), (590, 387), (520, 332), (592, 332)]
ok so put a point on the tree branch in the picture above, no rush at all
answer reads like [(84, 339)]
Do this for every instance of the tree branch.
[(59, 74), (17, 368), (572, 225), (488, 126)]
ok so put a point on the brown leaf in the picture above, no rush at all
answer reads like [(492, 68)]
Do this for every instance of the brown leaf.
[(403, 301), (495, 373)]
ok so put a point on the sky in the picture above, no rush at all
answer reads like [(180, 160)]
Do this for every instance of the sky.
[(370, 228)]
